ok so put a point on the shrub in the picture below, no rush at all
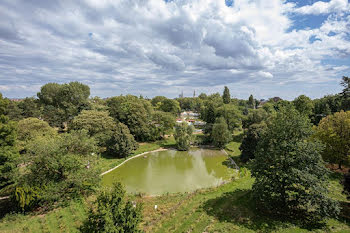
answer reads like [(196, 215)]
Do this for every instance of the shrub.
[(113, 213)]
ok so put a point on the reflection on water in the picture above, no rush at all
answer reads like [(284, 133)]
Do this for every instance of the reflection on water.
[(171, 171)]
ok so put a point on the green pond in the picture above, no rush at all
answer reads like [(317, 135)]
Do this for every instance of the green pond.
[(172, 171)]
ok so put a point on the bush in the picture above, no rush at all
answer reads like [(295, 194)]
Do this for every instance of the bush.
[(113, 213), (25, 198), (122, 143)]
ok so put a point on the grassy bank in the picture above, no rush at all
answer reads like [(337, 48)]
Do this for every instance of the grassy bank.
[(228, 208)]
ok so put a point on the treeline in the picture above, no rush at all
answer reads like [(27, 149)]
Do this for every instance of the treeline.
[(50, 145)]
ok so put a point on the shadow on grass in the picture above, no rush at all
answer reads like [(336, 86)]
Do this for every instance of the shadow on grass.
[(238, 208)]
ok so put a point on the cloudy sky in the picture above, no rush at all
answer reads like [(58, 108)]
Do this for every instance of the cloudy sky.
[(155, 47)]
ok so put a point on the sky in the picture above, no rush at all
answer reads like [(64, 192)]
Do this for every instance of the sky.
[(266, 48)]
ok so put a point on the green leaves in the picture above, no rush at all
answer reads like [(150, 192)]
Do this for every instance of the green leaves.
[(183, 136), (289, 171), (113, 214)]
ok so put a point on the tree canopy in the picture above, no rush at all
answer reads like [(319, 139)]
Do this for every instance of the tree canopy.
[(183, 136), (226, 97), (334, 132), (290, 176)]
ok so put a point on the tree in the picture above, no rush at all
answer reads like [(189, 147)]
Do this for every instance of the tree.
[(13, 112), (156, 101), (169, 105), (304, 105), (113, 214), (250, 141), (122, 143), (8, 152), (231, 114), (251, 102), (290, 175), (62, 102), (29, 108), (334, 132), (183, 136), (208, 113), (220, 133), (226, 97), (30, 128), (60, 167), (164, 122), (255, 117), (345, 93), (99, 125), (133, 112)]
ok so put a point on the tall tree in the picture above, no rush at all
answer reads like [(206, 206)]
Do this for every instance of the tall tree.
[(226, 97), (290, 175), (122, 142), (134, 113), (98, 124), (345, 93), (183, 136), (8, 152), (251, 102), (231, 114), (334, 132), (304, 105), (251, 138), (220, 133), (61, 103)]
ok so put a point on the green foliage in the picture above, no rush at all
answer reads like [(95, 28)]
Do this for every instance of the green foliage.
[(231, 114), (334, 132), (62, 166), (208, 113), (157, 101), (226, 97), (30, 128), (169, 105), (122, 143), (183, 136), (251, 138), (345, 94), (290, 176), (251, 102), (62, 102), (220, 133), (98, 104), (135, 113), (29, 108), (304, 105), (164, 122), (113, 213), (254, 117), (26, 197), (8, 152), (98, 124)]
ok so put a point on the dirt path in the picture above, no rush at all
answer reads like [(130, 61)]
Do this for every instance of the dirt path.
[(160, 149)]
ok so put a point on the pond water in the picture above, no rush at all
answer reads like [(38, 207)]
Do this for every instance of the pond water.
[(172, 171)]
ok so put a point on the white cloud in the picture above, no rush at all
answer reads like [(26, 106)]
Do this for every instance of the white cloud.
[(321, 7), (153, 47)]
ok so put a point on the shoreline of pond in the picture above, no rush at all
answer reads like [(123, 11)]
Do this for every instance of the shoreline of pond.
[(135, 156)]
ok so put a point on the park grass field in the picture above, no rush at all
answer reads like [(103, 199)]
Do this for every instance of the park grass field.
[(227, 208)]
